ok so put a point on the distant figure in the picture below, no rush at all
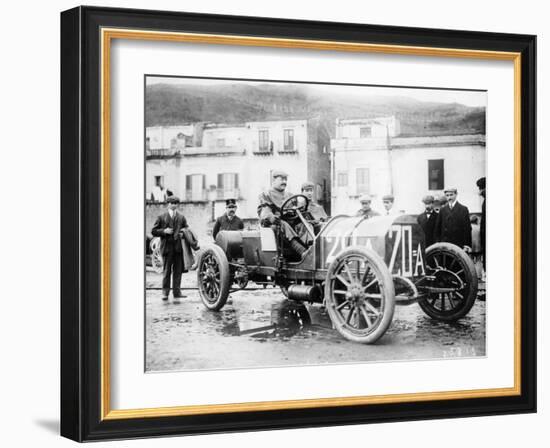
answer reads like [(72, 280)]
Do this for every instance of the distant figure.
[(439, 201), (169, 227), (428, 219), (229, 220), (454, 222), (481, 184), (315, 209), (159, 193), (388, 200), (366, 210), (315, 214)]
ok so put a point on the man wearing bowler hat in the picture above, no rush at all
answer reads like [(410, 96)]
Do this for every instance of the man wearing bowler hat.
[(169, 227), (428, 219), (454, 222), (229, 220)]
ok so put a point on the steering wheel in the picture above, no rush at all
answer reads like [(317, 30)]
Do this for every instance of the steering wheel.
[(291, 206)]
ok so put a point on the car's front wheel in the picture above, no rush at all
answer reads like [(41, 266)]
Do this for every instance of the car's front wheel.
[(359, 294), (213, 277), (454, 288)]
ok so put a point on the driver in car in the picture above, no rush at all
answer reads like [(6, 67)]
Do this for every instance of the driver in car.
[(269, 210)]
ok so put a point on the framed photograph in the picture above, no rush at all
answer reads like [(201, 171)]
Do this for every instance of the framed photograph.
[(277, 224)]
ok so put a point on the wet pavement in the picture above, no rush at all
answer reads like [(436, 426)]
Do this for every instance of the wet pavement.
[(259, 328)]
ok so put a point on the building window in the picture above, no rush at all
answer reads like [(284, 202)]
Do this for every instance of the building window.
[(159, 193), (228, 186), (195, 187), (342, 179), (362, 180), (289, 139), (436, 179), (220, 143), (365, 131), (263, 140)]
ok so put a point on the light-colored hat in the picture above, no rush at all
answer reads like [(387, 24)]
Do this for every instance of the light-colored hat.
[(278, 173), (308, 184), (450, 190), (365, 198)]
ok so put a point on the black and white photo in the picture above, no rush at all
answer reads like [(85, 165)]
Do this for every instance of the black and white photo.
[(292, 224)]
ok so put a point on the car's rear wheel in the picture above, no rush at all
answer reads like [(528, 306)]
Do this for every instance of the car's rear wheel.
[(455, 275), (359, 294), (213, 277)]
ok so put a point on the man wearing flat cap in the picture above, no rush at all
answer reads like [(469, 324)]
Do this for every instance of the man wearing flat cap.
[(316, 210), (387, 201), (315, 214), (269, 210), (366, 211), (169, 227), (454, 222), (481, 185), (229, 220), (428, 220)]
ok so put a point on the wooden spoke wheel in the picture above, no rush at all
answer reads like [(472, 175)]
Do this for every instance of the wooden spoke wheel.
[(156, 257), (359, 295), (213, 277), (455, 282)]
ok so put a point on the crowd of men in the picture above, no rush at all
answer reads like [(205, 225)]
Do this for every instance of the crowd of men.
[(444, 219)]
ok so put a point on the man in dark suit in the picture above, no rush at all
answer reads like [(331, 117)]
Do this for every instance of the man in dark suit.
[(229, 220), (481, 184), (428, 220), (169, 227), (454, 223)]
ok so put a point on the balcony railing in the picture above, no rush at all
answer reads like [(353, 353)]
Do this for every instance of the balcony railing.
[(222, 194), (196, 195)]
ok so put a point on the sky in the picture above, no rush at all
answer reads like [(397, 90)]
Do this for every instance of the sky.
[(470, 98)]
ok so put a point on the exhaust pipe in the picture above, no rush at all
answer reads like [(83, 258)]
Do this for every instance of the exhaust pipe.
[(305, 293)]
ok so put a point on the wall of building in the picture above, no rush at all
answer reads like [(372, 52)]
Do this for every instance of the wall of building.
[(252, 166), (233, 137), (161, 137), (198, 217), (380, 127), (404, 171)]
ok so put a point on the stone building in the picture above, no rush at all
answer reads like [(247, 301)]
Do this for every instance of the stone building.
[(369, 156), (209, 163)]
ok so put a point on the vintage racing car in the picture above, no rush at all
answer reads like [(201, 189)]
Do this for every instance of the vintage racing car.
[(358, 268)]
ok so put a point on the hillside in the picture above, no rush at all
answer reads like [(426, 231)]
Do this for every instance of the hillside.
[(169, 104)]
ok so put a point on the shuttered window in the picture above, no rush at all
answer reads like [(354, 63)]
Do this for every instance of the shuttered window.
[(289, 139), (436, 178), (362, 180), (263, 140)]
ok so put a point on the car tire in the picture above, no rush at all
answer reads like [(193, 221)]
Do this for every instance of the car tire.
[(213, 277), (449, 263), (362, 292)]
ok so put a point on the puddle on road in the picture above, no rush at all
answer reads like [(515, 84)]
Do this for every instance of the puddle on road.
[(283, 321)]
